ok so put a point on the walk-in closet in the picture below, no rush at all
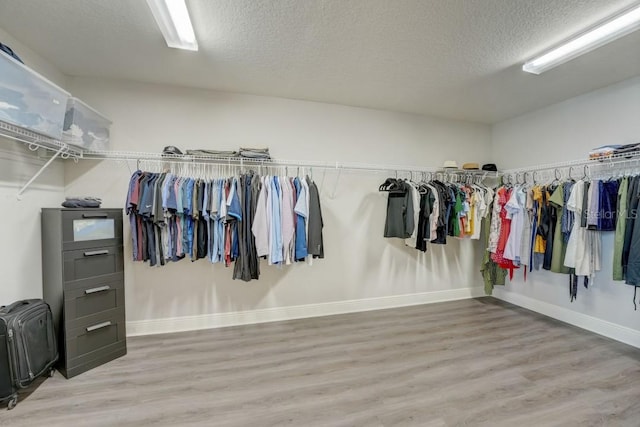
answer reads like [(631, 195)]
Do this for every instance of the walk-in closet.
[(320, 213)]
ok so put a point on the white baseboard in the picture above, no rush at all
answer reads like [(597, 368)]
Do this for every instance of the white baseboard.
[(584, 321), (218, 320)]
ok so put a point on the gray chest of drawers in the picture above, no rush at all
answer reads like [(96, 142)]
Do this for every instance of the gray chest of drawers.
[(83, 282)]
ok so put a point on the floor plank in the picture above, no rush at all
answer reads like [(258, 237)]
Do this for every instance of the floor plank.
[(478, 362)]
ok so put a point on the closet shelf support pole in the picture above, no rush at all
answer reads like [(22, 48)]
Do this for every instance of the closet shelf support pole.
[(37, 174)]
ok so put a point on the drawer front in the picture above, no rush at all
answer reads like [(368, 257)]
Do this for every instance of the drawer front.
[(80, 304), (106, 355), (92, 262), (88, 342), (88, 228)]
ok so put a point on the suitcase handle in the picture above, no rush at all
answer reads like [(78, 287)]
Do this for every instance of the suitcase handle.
[(95, 215), (98, 326), (8, 309), (100, 289), (94, 253)]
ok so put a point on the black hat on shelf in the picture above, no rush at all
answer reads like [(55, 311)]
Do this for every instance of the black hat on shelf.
[(170, 149)]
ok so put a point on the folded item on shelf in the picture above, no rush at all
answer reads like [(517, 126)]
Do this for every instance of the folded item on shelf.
[(261, 150), (81, 202), (606, 151), (255, 153), (219, 153), (628, 148)]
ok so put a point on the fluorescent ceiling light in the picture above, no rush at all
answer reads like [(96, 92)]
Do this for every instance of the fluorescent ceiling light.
[(609, 31), (172, 17)]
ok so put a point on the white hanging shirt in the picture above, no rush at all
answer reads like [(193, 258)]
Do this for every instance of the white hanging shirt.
[(584, 249), (260, 227), (415, 197), (515, 211)]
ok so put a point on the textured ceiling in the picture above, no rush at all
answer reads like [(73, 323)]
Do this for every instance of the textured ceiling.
[(458, 59)]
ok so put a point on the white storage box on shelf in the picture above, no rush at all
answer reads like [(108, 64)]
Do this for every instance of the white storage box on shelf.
[(85, 128), (30, 101)]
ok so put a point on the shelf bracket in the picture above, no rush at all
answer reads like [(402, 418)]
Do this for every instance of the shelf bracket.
[(37, 174)]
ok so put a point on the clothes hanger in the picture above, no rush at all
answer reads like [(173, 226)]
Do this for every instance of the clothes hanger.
[(392, 185), (557, 176), (386, 184)]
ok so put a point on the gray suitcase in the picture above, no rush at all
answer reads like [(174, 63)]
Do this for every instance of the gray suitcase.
[(28, 346)]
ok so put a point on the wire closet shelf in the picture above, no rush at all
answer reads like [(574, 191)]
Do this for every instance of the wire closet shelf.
[(157, 161), (35, 141), (597, 168)]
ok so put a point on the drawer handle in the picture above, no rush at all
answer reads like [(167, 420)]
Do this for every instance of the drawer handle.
[(95, 215), (98, 326), (100, 289), (94, 253)]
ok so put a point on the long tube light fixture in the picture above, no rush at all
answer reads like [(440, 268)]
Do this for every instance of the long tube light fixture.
[(607, 32), (173, 19)]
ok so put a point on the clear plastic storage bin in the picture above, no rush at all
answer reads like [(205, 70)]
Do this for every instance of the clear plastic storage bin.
[(29, 100), (84, 127)]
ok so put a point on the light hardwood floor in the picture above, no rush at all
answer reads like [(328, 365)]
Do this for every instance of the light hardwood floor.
[(475, 362)]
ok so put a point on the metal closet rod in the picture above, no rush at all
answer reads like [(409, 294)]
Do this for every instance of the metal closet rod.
[(244, 161)]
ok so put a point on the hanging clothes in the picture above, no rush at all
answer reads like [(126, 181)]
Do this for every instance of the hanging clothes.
[(399, 222), (428, 212), (631, 250), (584, 249), (621, 223), (315, 243), (492, 274), (559, 245), (427, 207), (559, 227), (608, 205), (232, 220), (415, 211), (503, 196), (542, 225), (515, 212), (527, 226), (496, 223)]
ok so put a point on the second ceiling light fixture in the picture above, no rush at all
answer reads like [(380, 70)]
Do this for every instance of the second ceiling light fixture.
[(614, 28)]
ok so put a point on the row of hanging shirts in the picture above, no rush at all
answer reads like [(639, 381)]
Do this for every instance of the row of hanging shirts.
[(236, 219), (558, 225), (429, 211)]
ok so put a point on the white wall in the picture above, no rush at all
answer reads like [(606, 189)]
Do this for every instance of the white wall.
[(359, 264), (33, 60), (567, 131), (20, 258)]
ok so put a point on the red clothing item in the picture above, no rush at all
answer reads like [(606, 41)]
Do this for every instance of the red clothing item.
[(505, 228)]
